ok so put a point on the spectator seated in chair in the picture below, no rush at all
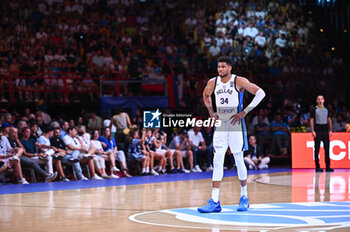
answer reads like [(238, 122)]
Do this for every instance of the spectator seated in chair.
[(9, 157), (253, 157)]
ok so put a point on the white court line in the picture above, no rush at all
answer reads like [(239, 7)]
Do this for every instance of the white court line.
[(311, 221)]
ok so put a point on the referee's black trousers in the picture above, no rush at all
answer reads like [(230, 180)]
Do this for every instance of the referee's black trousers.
[(324, 137)]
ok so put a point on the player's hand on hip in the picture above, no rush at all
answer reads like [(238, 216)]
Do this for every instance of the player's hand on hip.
[(236, 118), (214, 115)]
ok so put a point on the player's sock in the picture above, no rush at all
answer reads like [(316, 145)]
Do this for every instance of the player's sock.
[(147, 169), (215, 194), (143, 170), (244, 190)]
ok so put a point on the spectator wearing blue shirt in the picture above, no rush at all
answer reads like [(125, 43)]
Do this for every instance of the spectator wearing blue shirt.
[(64, 129), (279, 131), (109, 145), (31, 151)]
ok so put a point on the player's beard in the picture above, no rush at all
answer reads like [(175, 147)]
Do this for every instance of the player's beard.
[(224, 75)]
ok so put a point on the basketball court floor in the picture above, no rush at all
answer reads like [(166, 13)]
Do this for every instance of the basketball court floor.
[(281, 200)]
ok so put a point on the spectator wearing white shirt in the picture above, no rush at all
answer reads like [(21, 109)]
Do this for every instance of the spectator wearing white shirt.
[(234, 4), (68, 8), (52, 153), (75, 144), (250, 12), (214, 49), (281, 41), (121, 19), (112, 2), (290, 24), (78, 8), (303, 30), (219, 40), (41, 34), (59, 56), (98, 61), (228, 40), (108, 60), (126, 39), (198, 147), (221, 20), (250, 31), (273, 4), (268, 53), (260, 40), (230, 13), (241, 29), (221, 29), (207, 40), (191, 22), (9, 157), (259, 12), (283, 30), (156, 37)]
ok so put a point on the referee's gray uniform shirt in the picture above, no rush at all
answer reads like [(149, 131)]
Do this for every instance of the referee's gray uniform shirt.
[(321, 118)]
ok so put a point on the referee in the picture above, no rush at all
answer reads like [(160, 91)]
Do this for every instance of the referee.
[(321, 128)]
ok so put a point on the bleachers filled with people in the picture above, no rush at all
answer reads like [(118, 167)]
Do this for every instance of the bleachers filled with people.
[(60, 50)]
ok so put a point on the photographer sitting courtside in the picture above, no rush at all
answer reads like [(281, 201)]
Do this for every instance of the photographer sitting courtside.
[(321, 128), (297, 120)]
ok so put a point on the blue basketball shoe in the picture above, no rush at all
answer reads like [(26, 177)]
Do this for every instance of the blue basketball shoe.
[(211, 207), (243, 204)]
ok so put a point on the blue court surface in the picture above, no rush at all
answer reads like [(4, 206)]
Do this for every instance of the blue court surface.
[(54, 186), (287, 215)]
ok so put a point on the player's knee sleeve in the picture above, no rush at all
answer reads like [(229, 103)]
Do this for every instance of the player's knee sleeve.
[(241, 168), (218, 164)]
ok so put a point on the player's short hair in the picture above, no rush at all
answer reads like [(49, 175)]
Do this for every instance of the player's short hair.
[(225, 59), (319, 95)]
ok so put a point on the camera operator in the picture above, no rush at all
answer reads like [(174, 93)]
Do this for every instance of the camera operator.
[(297, 119)]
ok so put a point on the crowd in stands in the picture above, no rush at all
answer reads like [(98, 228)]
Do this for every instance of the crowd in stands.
[(93, 148), (90, 147), (48, 44)]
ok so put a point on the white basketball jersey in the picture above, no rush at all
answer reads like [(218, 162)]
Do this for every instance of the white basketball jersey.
[(227, 98)]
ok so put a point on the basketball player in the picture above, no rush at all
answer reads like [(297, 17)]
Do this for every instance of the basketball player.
[(228, 90)]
